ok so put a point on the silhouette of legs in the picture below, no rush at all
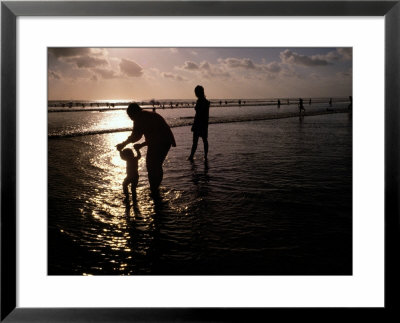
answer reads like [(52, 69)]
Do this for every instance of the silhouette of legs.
[(205, 142), (194, 147), (133, 181), (154, 160)]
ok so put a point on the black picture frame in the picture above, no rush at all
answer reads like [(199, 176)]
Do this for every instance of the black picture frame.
[(10, 10)]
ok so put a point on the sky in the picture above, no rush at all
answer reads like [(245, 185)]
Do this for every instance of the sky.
[(172, 73)]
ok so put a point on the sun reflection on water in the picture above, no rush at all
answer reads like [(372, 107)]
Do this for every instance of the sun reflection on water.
[(115, 236), (119, 232)]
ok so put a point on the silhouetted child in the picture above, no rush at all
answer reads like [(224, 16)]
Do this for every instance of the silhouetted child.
[(132, 174)]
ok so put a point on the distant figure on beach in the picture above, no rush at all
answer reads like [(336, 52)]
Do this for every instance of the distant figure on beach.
[(301, 106), (330, 102), (351, 102), (132, 173), (159, 139), (309, 102), (279, 103), (200, 123)]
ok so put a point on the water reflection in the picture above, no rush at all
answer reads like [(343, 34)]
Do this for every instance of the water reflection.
[(208, 219), (122, 234), (200, 178), (132, 237)]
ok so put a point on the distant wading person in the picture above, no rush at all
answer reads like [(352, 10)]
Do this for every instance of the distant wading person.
[(200, 123), (159, 139), (301, 106)]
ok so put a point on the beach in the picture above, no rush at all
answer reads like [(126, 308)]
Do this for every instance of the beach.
[(274, 198)]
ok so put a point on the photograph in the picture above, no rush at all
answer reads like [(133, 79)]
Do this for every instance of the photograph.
[(199, 161)]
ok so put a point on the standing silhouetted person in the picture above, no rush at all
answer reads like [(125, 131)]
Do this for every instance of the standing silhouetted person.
[(279, 103), (159, 139), (200, 123), (132, 173), (301, 106), (330, 102)]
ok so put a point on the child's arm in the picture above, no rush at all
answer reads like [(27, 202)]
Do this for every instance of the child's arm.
[(137, 148)]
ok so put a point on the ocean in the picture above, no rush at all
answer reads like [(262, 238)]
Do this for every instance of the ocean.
[(274, 197)]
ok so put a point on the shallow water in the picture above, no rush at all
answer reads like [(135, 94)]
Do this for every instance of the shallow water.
[(274, 198)]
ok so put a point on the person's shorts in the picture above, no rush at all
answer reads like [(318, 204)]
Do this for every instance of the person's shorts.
[(156, 155), (203, 133)]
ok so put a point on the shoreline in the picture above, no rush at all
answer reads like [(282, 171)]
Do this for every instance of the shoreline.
[(220, 121), (185, 105)]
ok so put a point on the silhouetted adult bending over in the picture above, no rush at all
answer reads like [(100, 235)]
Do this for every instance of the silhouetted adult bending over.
[(200, 124), (159, 139)]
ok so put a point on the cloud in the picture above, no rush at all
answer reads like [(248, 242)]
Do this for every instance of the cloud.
[(69, 52), (346, 53), (329, 57), (205, 66), (256, 70), (130, 68), (205, 69), (245, 63), (105, 73), (54, 75), (289, 57), (273, 67), (209, 71), (86, 61), (190, 66), (173, 76)]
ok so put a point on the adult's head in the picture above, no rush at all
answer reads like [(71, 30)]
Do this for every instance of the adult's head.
[(199, 91), (133, 110)]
